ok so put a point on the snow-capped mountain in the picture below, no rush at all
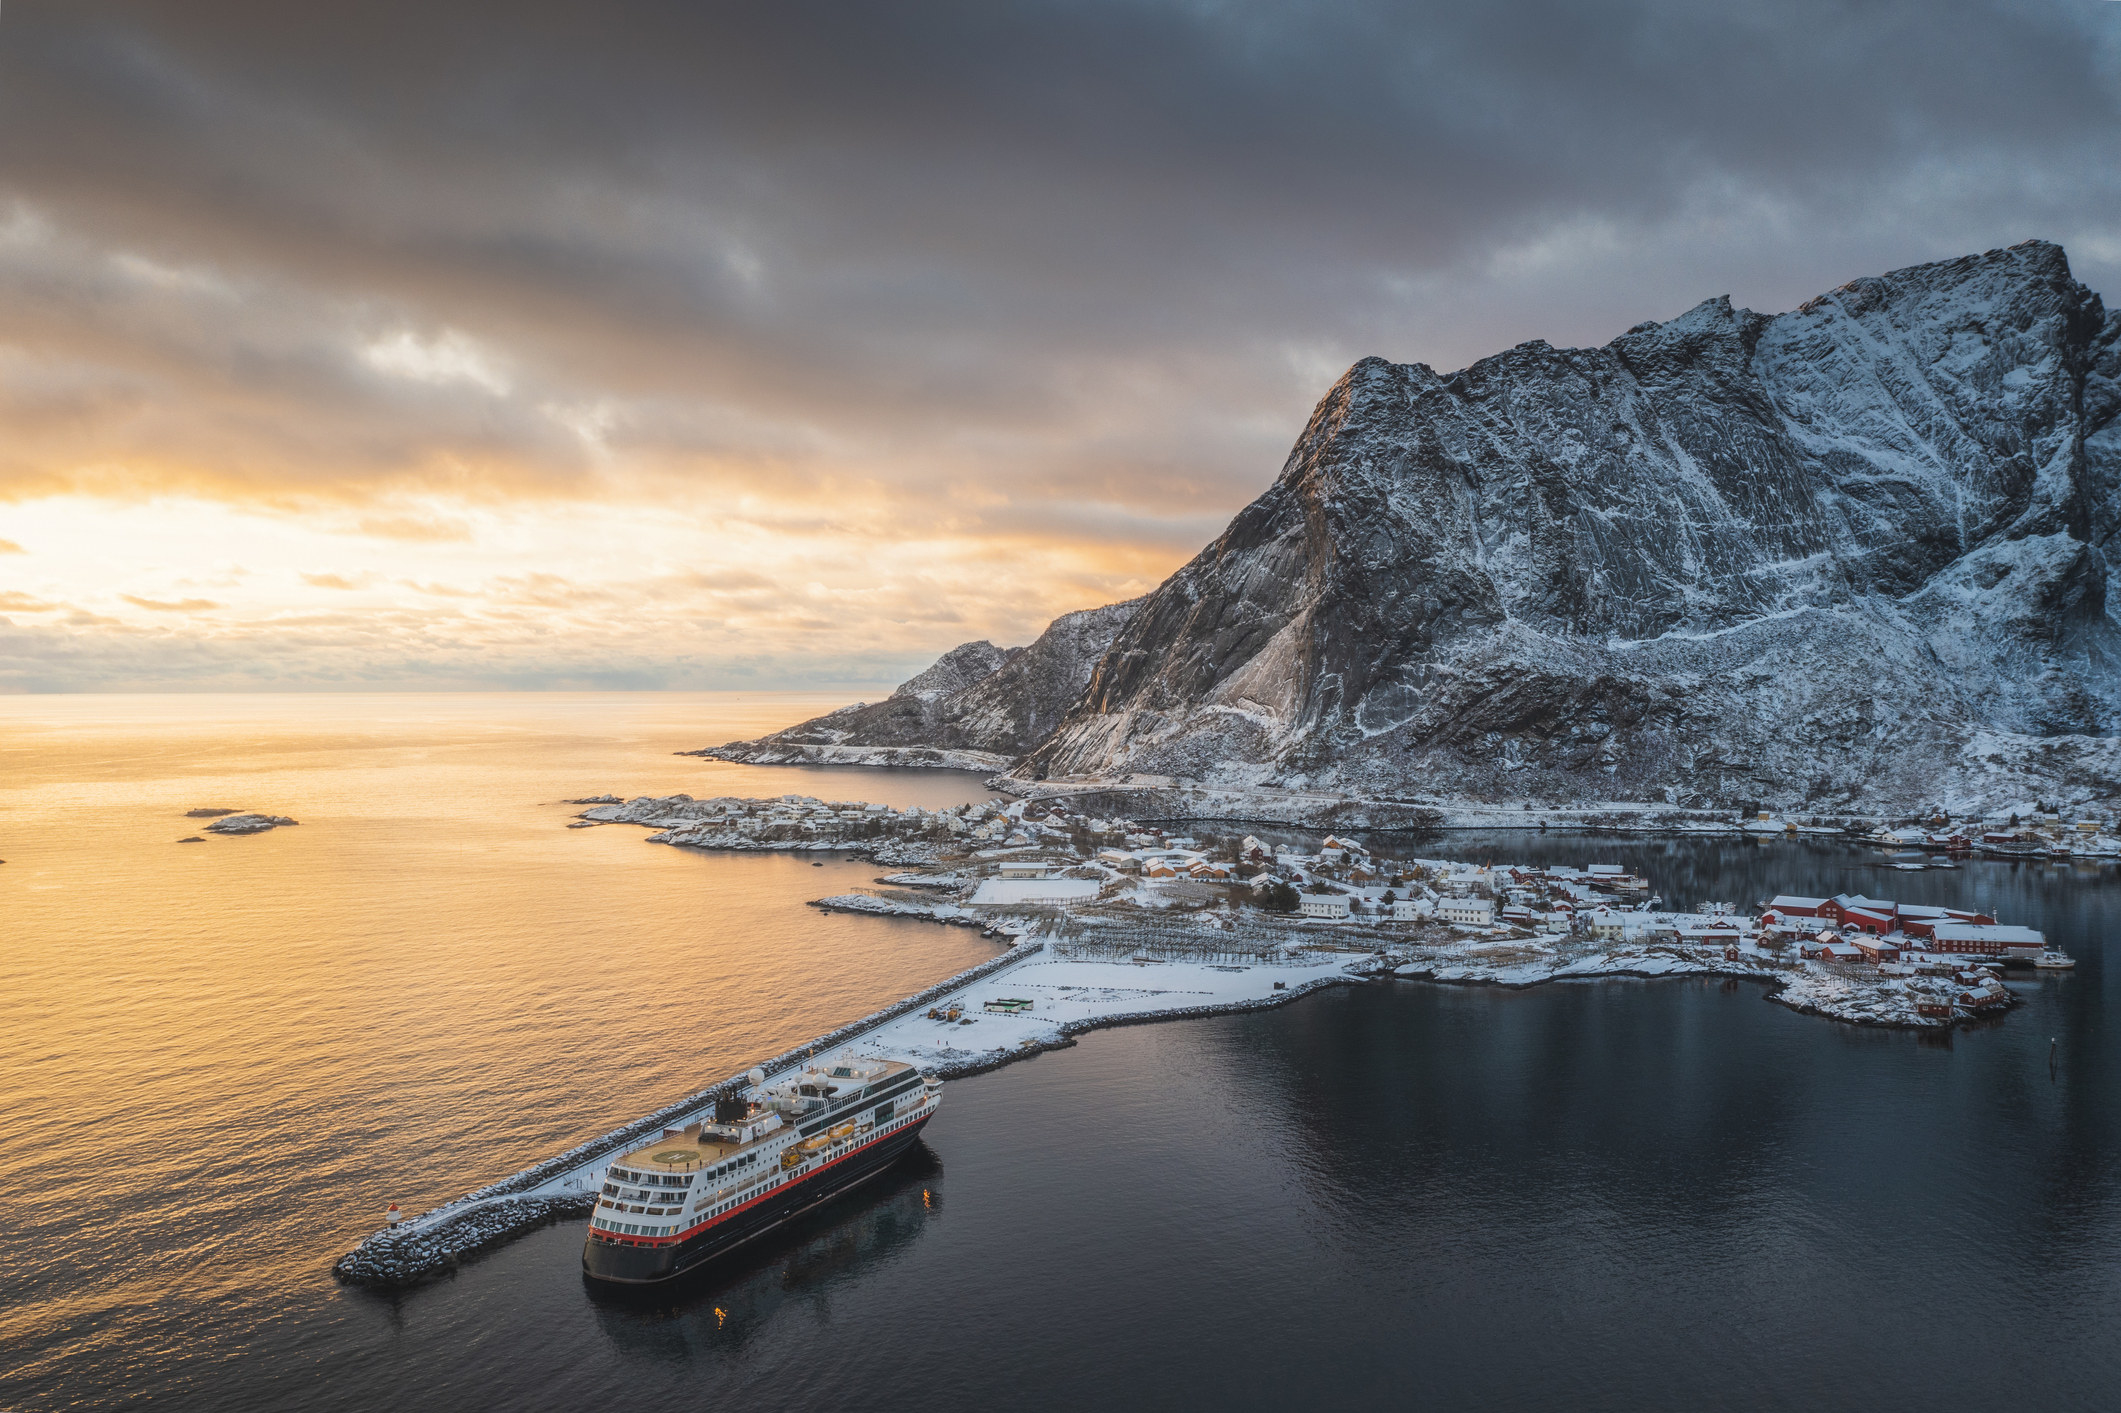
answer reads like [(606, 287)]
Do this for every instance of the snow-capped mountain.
[(1852, 556), (1853, 553)]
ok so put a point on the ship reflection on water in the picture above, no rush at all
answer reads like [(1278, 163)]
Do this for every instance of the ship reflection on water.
[(725, 1303)]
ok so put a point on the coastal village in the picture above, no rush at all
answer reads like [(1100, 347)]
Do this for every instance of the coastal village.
[(1112, 888)]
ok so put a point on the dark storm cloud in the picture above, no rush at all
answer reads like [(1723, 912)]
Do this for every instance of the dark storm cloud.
[(1105, 250)]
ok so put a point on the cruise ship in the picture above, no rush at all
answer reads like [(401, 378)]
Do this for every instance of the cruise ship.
[(771, 1153)]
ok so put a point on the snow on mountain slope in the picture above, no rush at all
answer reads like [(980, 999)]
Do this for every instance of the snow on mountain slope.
[(1853, 554), (976, 707)]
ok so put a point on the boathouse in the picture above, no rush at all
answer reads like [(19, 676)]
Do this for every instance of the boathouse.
[(1922, 921), (1875, 915), (1976, 940)]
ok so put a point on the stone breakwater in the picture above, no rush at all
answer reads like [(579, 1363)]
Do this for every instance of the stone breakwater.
[(1091, 996), (433, 1243), (869, 905), (403, 1257)]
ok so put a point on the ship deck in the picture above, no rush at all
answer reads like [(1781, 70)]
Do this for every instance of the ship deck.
[(684, 1153), (688, 1151)]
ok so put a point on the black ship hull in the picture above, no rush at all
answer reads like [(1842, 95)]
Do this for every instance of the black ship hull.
[(633, 1262)]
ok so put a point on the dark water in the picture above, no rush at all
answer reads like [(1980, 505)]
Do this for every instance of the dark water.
[(1603, 1195)]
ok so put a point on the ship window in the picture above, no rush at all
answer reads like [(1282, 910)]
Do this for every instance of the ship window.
[(611, 1189)]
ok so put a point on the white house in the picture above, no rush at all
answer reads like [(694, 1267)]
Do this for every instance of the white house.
[(1473, 912), (1333, 906), (1405, 910)]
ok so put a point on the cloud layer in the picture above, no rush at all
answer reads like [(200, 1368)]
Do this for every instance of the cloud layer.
[(697, 344)]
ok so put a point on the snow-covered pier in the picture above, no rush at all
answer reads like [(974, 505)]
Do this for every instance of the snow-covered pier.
[(1068, 997)]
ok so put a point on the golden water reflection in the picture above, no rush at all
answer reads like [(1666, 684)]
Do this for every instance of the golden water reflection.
[(223, 1059)]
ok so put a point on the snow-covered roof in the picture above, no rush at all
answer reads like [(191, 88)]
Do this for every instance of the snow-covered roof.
[(2000, 934), (1034, 890)]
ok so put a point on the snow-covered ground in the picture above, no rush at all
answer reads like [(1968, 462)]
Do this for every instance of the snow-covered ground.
[(1071, 995), (1006, 892), (1857, 994)]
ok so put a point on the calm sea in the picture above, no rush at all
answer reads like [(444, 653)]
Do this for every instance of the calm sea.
[(223, 1059), (220, 1061)]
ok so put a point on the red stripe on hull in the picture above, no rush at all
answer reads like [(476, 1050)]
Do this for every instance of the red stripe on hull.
[(777, 1190)]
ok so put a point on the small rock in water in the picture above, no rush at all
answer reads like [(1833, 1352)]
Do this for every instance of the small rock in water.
[(193, 839), (599, 800), (208, 814), (247, 823)]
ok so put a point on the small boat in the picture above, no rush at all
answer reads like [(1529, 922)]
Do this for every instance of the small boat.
[(2052, 960), (1910, 867)]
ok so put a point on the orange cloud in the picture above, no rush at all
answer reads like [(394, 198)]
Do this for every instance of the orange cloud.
[(166, 606), (414, 528), (10, 547)]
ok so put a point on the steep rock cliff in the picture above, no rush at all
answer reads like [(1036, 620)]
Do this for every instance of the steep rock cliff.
[(1855, 553)]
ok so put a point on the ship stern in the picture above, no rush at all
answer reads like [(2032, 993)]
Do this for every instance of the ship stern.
[(623, 1263)]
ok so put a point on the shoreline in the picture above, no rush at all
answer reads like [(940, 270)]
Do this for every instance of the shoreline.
[(1072, 972)]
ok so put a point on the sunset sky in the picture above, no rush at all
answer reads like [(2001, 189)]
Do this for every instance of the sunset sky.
[(692, 345)]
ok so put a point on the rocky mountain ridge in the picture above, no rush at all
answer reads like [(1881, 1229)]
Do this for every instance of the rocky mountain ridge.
[(1851, 556), (977, 707)]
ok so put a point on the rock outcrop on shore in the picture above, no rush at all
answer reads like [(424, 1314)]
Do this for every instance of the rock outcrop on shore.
[(248, 823)]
